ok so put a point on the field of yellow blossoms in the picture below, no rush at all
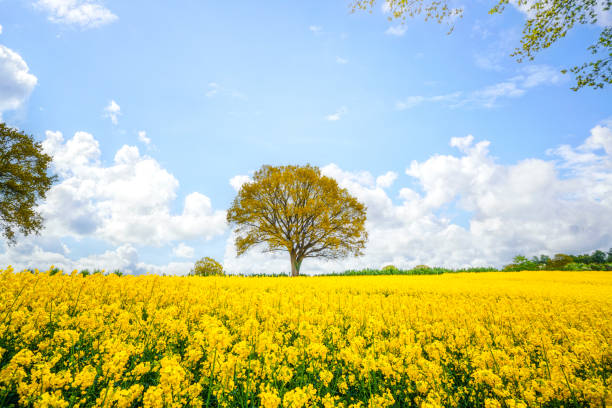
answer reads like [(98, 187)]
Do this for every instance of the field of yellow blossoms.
[(536, 339)]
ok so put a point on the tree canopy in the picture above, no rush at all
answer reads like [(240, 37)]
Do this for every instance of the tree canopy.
[(207, 267), (24, 180), (547, 22), (298, 210)]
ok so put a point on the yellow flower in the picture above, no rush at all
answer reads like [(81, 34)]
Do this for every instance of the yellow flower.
[(269, 398)]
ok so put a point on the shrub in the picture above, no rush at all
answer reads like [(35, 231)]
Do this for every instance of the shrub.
[(389, 268), (207, 267), (54, 271), (421, 267), (558, 262)]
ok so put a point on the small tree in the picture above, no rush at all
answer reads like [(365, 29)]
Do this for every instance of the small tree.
[(558, 262), (599, 257), (207, 267), (298, 210), (23, 182)]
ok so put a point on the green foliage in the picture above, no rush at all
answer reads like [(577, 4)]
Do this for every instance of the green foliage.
[(24, 180), (54, 271), (547, 22), (418, 270), (596, 73), (521, 263), (558, 262), (298, 210), (597, 261), (207, 267)]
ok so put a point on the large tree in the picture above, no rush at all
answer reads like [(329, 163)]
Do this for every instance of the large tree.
[(298, 210), (24, 180), (547, 21)]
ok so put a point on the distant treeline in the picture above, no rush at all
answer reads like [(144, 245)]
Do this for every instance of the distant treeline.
[(597, 261), (418, 270)]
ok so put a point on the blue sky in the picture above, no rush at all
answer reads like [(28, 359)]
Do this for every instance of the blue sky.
[(221, 89)]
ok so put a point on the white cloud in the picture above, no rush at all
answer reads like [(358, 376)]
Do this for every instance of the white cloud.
[(0, 28), (489, 96), (412, 101), (535, 206), (142, 136), (237, 181), (490, 61), (462, 143), (215, 89), (82, 13), (386, 180), (341, 60), (183, 251), (315, 29), (113, 110), (16, 81), (128, 201), (30, 254), (535, 75), (409, 102), (601, 138), (337, 115), (525, 7), (397, 30)]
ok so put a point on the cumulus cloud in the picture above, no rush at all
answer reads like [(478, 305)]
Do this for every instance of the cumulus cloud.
[(554, 205), (183, 251), (112, 111), (29, 254), (126, 202), (82, 13), (237, 181), (315, 29), (142, 136), (126, 205), (16, 81), (386, 180), (337, 115)]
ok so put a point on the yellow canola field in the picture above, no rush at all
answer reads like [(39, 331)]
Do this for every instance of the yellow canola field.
[(537, 339)]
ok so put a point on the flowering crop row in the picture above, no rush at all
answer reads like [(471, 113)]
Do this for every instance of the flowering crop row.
[(492, 340)]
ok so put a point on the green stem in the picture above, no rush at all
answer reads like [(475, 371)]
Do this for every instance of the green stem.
[(210, 382)]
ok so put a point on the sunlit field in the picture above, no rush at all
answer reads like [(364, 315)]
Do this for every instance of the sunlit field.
[(538, 339)]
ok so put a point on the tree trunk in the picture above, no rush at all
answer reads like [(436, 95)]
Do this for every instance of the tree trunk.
[(295, 264)]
